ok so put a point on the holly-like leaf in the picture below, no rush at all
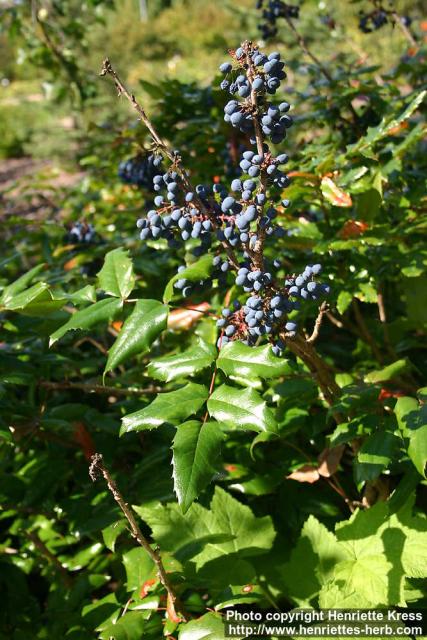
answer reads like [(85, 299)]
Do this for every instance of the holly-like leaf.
[(385, 128), (238, 359), (334, 194), (241, 409), (19, 285), (389, 372), (147, 320), (172, 407), (38, 300), (101, 311), (195, 448), (182, 364), (199, 270), (116, 276)]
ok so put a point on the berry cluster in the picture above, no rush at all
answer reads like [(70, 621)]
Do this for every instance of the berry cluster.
[(275, 9), (254, 76), (139, 170), (378, 17), (265, 312), (81, 233), (372, 21), (238, 221)]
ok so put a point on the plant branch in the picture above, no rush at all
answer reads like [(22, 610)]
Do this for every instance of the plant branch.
[(175, 158), (53, 560), (97, 388), (315, 334), (97, 468)]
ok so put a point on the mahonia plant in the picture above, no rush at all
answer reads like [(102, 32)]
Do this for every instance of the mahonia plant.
[(235, 223)]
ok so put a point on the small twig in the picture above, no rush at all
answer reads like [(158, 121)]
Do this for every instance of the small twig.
[(98, 388), (404, 29), (334, 320), (49, 556), (96, 468), (323, 309), (175, 158)]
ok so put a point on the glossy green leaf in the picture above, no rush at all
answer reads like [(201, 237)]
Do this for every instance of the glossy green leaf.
[(139, 567), (196, 448), (172, 407), (112, 532), (375, 455), (147, 320), (101, 311), (116, 276), (238, 359), (199, 270), (87, 294), (128, 627), (412, 419), (207, 627), (241, 409), (389, 372), (386, 126), (20, 284), (38, 300), (186, 363)]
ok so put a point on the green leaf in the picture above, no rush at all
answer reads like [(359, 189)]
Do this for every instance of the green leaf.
[(147, 320), (241, 408), (412, 420), (344, 301), (196, 448), (189, 535), (20, 284), (386, 126), (101, 311), (381, 550), (208, 627), (238, 359), (199, 270), (116, 276), (139, 568), (389, 372), (172, 407), (375, 455), (311, 563), (38, 300), (87, 294), (112, 532), (182, 364), (128, 627)]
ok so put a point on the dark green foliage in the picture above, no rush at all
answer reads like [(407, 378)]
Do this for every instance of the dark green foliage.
[(260, 483)]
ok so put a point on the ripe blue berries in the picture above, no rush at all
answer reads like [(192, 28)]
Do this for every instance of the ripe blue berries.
[(237, 221)]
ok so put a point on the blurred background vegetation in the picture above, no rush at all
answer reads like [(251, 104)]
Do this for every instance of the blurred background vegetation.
[(46, 41)]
